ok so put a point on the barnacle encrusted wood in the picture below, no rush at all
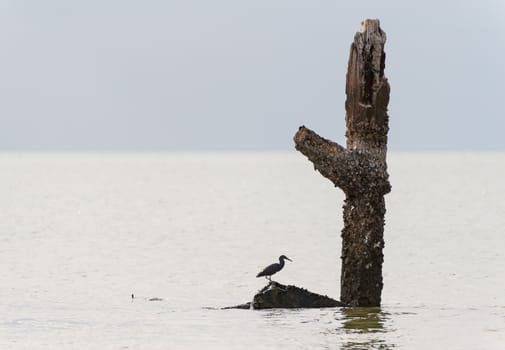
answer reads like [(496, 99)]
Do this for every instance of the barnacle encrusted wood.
[(360, 169)]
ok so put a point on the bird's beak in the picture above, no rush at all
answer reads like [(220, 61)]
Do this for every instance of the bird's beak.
[(289, 259)]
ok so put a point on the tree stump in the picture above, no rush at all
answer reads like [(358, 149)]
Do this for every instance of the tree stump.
[(360, 169)]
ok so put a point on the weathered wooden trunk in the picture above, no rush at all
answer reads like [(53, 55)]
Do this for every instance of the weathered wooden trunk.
[(359, 169)]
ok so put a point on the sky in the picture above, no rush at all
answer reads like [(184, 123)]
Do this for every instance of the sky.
[(228, 75)]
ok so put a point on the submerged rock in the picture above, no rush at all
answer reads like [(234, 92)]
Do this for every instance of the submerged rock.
[(276, 295)]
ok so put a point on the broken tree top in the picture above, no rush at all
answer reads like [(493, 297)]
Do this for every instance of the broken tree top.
[(359, 169), (367, 90)]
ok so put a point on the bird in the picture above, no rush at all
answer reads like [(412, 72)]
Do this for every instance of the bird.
[(274, 268)]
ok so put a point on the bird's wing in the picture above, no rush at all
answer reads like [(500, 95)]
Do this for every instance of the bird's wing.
[(269, 270)]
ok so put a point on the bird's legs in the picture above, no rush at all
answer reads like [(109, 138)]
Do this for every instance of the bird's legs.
[(269, 278), (275, 283)]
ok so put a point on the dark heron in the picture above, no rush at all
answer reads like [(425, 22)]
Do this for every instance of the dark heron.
[(274, 268)]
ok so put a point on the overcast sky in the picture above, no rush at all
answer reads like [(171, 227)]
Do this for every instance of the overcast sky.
[(242, 75)]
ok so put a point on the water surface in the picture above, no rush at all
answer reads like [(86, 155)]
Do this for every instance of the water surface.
[(79, 233)]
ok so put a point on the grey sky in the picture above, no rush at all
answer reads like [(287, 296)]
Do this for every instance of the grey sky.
[(242, 75)]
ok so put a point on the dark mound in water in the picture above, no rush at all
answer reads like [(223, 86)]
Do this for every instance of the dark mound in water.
[(276, 295)]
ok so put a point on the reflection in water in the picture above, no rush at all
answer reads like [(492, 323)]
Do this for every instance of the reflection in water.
[(362, 328), (342, 328), (364, 319)]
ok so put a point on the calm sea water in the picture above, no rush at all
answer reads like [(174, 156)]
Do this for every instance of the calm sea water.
[(79, 233)]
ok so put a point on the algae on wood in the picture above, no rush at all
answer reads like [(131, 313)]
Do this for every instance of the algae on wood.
[(360, 169)]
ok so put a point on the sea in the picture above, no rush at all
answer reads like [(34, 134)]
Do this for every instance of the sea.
[(143, 250)]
